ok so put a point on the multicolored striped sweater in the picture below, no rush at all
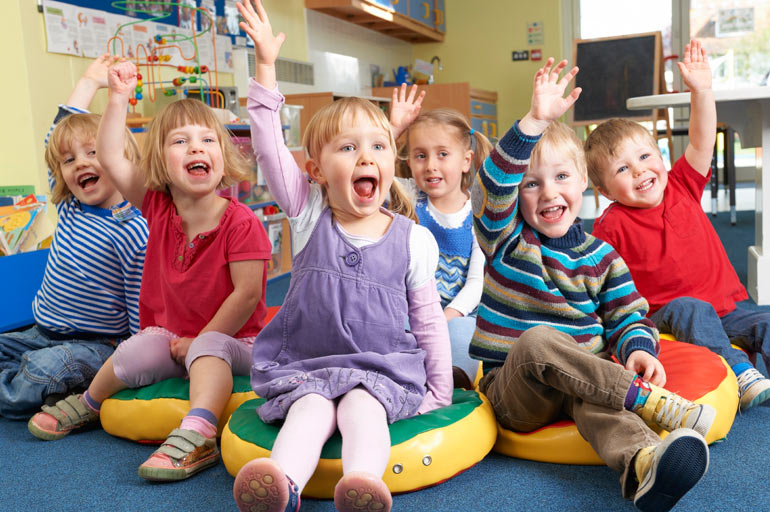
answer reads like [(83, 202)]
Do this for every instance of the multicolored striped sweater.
[(577, 284)]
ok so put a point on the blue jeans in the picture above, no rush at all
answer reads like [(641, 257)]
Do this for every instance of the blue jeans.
[(460, 334), (695, 321), (33, 366)]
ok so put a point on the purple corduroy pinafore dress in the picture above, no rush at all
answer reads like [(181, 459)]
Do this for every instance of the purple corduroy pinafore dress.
[(342, 326)]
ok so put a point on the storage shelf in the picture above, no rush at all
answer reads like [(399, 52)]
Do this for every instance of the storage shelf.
[(378, 18)]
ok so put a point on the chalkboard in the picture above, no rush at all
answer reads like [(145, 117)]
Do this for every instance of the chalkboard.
[(612, 70)]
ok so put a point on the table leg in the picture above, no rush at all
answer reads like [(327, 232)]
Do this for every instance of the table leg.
[(759, 254)]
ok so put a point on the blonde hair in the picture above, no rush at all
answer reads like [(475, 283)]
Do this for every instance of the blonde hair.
[(327, 123), (180, 113), (560, 139), (601, 144), (82, 127), (450, 118)]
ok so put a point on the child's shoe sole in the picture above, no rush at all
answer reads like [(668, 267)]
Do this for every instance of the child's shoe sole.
[(262, 485), (679, 462), (359, 492)]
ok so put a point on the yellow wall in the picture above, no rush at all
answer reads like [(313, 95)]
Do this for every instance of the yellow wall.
[(35, 81), (480, 37)]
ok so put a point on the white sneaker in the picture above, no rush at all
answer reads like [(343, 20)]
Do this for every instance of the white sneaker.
[(753, 388), (670, 411)]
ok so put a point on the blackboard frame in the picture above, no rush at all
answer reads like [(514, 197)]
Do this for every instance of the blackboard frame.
[(606, 89)]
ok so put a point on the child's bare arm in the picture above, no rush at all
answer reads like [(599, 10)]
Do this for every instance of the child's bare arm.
[(548, 101), (404, 110), (266, 45), (696, 74), (93, 79), (110, 140), (240, 304)]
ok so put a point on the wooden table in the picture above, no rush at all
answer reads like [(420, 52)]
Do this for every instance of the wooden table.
[(748, 112)]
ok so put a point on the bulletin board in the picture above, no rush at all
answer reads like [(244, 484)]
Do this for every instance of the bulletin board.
[(87, 28), (613, 69)]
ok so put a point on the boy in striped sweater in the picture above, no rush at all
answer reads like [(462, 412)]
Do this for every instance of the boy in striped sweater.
[(89, 298), (558, 303)]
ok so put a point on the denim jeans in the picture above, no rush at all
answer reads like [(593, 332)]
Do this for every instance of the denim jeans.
[(33, 366), (695, 321), (460, 333)]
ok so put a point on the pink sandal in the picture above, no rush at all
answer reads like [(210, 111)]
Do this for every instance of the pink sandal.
[(359, 491), (262, 485)]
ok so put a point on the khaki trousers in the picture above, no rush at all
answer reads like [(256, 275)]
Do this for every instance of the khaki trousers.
[(546, 375)]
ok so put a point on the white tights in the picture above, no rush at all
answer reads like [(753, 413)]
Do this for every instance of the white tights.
[(311, 421)]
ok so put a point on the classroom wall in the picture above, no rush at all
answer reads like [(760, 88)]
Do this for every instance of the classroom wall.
[(480, 38), (36, 81)]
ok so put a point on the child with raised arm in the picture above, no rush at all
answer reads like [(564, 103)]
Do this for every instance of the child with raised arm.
[(89, 298), (658, 226), (337, 356), (443, 152), (202, 297), (558, 303)]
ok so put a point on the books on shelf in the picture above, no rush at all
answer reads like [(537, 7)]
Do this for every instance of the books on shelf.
[(24, 224)]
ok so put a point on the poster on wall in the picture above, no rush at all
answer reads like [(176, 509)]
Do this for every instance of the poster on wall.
[(62, 28)]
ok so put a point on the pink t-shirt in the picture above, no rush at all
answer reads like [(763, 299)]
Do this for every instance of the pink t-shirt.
[(184, 283), (672, 249)]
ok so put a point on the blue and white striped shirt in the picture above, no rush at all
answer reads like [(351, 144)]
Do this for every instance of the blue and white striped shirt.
[(94, 269)]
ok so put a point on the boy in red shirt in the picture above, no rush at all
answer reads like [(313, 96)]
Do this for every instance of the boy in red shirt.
[(658, 226)]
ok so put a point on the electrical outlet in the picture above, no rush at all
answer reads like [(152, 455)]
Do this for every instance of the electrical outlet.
[(521, 55)]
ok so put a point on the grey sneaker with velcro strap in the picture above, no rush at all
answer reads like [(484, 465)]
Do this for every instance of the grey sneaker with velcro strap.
[(182, 454), (56, 421)]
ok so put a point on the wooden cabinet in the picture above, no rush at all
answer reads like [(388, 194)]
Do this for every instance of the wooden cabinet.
[(477, 105), (312, 102), (414, 21)]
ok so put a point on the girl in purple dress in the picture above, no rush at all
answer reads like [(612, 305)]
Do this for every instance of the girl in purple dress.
[(336, 356)]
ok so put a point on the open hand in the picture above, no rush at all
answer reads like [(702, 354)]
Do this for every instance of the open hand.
[(178, 348), (647, 366), (122, 78), (99, 68), (694, 68), (404, 110), (548, 101), (257, 26)]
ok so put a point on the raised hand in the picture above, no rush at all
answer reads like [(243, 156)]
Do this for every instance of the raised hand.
[(122, 78), (404, 110), (99, 68), (694, 68), (548, 101), (257, 26)]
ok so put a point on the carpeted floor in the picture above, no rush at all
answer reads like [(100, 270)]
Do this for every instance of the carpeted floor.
[(94, 471)]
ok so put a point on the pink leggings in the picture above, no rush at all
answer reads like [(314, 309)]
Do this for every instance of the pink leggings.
[(145, 358)]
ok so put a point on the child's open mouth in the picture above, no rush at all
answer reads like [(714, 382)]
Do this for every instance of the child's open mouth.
[(88, 180), (198, 169), (365, 188), (433, 181), (646, 185), (553, 213)]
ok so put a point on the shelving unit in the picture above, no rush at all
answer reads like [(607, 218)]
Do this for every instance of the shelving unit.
[(413, 21)]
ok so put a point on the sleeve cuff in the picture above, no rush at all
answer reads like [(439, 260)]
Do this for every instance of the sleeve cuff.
[(639, 343)]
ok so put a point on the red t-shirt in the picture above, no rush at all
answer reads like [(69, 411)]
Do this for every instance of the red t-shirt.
[(672, 249), (184, 283)]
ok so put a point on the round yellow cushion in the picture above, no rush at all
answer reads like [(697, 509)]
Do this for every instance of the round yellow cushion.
[(425, 449), (150, 413), (693, 372)]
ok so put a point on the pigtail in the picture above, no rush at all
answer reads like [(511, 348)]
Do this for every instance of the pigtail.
[(481, 148), (400, 202)]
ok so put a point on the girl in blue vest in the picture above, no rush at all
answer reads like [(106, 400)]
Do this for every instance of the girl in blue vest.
[(443, 152), (336, 356)]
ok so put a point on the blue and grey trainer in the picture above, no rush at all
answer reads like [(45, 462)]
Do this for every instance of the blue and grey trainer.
[(677, 464), (753, 388)]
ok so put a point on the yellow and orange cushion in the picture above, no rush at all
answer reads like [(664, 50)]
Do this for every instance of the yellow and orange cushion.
[(425, 449), (693, 372)]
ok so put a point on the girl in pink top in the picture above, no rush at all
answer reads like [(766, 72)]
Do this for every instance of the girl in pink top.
[(201, 302)]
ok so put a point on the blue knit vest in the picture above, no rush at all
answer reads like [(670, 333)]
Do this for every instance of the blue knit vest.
[(454, 246)]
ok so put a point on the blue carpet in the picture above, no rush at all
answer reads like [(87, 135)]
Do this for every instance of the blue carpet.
[(94, 471)]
